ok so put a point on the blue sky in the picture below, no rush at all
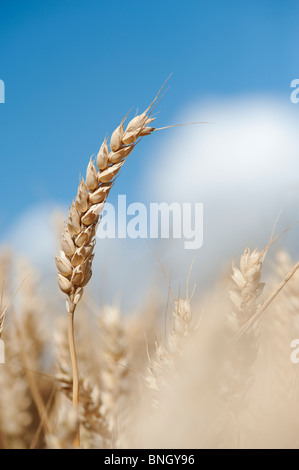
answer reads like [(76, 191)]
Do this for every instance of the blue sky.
[(72, 69)]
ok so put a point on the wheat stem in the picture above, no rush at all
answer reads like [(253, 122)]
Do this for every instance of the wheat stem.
[(74, 362), (78, 240)]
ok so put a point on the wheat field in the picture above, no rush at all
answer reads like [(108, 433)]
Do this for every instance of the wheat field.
[(203, 372)]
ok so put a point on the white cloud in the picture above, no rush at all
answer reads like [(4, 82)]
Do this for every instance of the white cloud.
[(251, 140), (244, 168)]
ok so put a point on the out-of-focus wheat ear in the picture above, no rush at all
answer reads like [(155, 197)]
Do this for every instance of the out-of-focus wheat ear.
[(162, 367), (16, 401), (30, 306), (90, 411), (5, 301), (4, 310), (115, 374), (30, 376), (64, 427), (244, 292), (246, 286)]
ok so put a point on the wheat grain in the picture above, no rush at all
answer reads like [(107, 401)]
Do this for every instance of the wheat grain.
[(74, 263)]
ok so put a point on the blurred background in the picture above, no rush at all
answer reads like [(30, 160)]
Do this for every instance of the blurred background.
[(73, 69)]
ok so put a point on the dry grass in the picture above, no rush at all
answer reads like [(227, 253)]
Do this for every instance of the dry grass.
[(195, 388), (216, 374)]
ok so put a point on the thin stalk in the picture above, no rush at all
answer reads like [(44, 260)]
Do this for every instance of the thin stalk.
[(39, 429), (74, 363)]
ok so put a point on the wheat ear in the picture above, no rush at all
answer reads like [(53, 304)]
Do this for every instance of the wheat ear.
[(244, 292), (163, 366), (246, 284), (74, 263), (115, 380)]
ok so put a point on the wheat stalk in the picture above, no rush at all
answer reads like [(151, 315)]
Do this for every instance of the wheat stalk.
[(74, 263), (2, 319), (90, 415)]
